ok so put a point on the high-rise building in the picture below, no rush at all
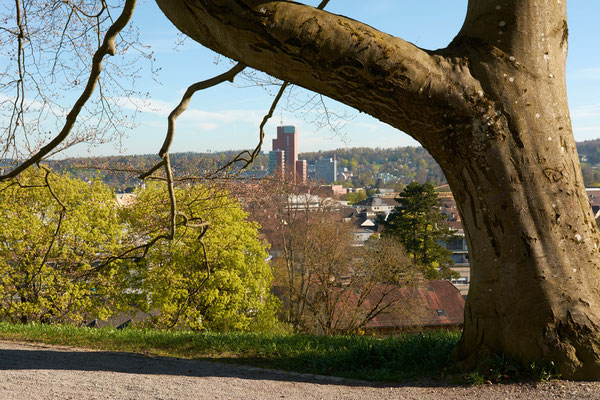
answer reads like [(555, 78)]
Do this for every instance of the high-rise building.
[(326, 169), (287, 141), (277, 163), (301, 175)]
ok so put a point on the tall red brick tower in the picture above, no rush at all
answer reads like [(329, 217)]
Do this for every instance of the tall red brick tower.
[(287, 140)]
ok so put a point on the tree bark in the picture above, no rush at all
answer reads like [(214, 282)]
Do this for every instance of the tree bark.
[(492, 109)]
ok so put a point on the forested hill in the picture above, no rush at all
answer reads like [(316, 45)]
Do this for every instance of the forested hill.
[(369, 167), (397, 166), (590, 150), (400, 165), (589, 154), (120, 172)]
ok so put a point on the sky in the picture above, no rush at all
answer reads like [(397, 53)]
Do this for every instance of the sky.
[(227, 117)]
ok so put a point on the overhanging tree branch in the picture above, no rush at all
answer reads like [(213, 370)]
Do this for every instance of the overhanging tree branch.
[(181, 108), (346, 60)]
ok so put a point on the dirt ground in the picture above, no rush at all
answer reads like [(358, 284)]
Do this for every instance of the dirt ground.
[(36, 371)]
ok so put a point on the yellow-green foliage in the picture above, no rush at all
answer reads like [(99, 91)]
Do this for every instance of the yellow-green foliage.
[(54, 268), (232, 291), (47, 254)]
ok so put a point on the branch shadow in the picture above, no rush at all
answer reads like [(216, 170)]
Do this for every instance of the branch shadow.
[(131, 363)]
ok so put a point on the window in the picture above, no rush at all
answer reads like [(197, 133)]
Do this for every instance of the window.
[(441, 313)]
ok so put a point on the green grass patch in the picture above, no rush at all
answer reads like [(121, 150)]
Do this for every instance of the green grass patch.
[(394, 359)]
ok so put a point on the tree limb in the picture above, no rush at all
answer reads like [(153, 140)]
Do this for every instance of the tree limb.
[(351, 62)]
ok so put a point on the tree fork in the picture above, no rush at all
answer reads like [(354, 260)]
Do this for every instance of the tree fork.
[(491, 108)]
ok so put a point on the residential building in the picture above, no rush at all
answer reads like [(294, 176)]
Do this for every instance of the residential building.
[(432, 305), (255, 174), (386, 177), (305, 202), (364, 225), (343, 174), (594, 199), (330, 190), (363, 229), (377, 205)]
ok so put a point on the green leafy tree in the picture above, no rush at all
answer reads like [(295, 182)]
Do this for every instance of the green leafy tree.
[(418, 225), (355, 197), (54, 232), (219, 280), (371, 192)]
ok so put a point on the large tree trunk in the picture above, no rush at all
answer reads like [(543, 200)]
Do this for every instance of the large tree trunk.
[(492, 110), (515, 173)]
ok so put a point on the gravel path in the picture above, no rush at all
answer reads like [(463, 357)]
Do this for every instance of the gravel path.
[(36, 371)]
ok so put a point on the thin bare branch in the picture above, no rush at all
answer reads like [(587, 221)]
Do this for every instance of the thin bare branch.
[(183, 105), (152, 170), (323, 4), (185, 101), (252, 155), (16, 117), (79, 10), (107, 48)]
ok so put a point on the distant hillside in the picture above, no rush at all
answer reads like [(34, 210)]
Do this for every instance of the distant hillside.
[(589, 154), (590, 150), (375, 167), (121, 172), (370, 168)]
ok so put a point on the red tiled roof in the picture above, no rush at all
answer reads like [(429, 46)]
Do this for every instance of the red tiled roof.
[(427, 300), (433, 304), (454, 225), (377, 201)]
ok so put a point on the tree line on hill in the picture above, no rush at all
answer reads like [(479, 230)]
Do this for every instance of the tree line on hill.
[(589, 154), (590, 151), (403, 164)]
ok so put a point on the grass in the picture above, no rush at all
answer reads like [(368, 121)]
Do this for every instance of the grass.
[(397, 359), (500, 369)]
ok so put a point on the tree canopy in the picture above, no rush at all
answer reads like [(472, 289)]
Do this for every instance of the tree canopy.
[(59, 257), (52, 245), (219, 280)]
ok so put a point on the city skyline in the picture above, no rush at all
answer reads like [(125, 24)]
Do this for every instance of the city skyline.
[(284, 162)]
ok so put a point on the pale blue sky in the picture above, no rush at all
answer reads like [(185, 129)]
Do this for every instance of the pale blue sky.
[(227, 117)]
